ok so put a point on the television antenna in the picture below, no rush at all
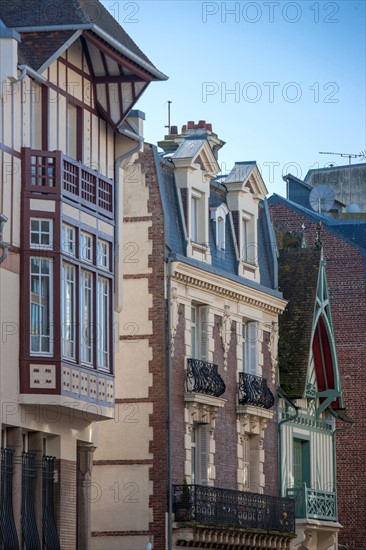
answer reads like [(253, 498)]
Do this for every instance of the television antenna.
[(321, 198), (361, 154), (168, 125)]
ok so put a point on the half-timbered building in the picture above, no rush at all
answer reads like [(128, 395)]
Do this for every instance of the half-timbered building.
[(69, 77)]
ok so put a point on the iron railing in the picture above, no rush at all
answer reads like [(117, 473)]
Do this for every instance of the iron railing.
[(8, 532), (203, 377), (253, 390), (51, 172), (28, 517), (214, 506), (313, 503), (51, 539)]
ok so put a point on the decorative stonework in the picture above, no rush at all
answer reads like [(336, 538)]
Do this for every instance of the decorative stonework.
[(225, 333), (42, 376), (273, 349), (174, 317)]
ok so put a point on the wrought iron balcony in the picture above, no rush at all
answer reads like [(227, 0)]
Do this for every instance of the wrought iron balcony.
[(314, 504), (253, 390), (214, 506), (203, 377), (54, 174)]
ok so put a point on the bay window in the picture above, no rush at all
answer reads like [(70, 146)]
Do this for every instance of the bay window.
[(41, 306)]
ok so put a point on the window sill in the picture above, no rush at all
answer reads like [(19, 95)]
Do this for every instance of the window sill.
[(217, 402), (255, 411)]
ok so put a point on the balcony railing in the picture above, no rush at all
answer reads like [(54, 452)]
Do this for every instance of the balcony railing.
[(253, 390), (203, 377), (313, 504), (8, 532), (214, 506), (52, 173)]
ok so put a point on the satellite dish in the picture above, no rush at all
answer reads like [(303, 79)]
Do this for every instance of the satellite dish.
[(322, 198)]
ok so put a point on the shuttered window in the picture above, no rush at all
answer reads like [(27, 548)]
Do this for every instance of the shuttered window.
[(246, 463), (199, 332), (250, 336)]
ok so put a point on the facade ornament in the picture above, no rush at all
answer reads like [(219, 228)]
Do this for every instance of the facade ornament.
[(273, 349), (225, 333), (174, 316)]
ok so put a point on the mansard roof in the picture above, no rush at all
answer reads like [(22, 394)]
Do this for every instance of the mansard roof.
[(223, 263)]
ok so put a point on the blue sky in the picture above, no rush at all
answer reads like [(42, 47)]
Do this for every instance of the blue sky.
[(279, 81)]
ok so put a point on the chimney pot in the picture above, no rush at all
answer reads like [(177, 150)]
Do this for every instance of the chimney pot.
[(174, 129), (190, 125), (209, 127), (201, 124)]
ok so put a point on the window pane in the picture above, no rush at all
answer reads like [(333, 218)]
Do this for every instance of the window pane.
[(103, 323), (86, 305), (68, 311), (68, 239), (40, 305), (86, 247)]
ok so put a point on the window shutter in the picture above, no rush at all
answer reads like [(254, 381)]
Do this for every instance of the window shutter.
[(204, 450), (203, 333), (297, 463), (252, 367)]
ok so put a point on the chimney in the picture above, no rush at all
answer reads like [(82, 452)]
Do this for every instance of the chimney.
[(172, 140), (136, 119), (8, 55)]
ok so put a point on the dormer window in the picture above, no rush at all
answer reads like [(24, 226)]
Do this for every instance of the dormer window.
[(218, 215), (194, 219), (248, 247)]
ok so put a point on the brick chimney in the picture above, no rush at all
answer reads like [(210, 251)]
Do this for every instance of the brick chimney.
[(172, 140)]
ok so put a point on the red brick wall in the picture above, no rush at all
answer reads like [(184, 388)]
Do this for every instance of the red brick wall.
[(347, 289), (157, 366), (178, 386), (226, 462)]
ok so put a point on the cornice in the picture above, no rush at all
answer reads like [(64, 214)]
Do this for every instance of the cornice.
[(219, 286)]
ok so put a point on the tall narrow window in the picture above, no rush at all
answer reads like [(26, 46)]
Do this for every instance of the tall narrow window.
[(68, 311), (250, 335), (194, 220), (103, 254), (199, 454), (41, 306), (220, 233), (301, 462), (244, 240), (199, 332), (68, 239), (103, 323), (246, 462), (86, 246), (86, 316)]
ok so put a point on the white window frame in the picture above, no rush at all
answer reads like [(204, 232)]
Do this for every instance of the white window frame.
[(68, 239), (86, 246), (69, 337), (194, 216), (86, 324), (40, 232), (41, 308), (249, 339), (103, 254), (103, 323)]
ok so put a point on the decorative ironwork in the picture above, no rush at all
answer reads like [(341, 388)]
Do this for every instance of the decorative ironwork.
[(52, 172), (314, 504), (202, 377), (8, 532), (28, 518), (50, 536), (214, 506), (253, 390)]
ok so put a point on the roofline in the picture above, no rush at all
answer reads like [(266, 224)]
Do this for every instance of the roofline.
[(102, 34), (60, 51), (312, 170)]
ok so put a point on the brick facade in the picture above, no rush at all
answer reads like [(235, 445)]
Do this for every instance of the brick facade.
[(347, 290)]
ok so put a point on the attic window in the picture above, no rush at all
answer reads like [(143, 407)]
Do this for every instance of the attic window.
[(218, 215)]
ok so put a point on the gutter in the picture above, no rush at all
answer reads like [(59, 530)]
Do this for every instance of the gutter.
[(169, 405), (102, 34), (289, 419)]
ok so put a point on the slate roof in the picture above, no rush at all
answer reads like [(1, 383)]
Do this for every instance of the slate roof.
[(240, 172), (38, 46), (298, 270), (224, 263)]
